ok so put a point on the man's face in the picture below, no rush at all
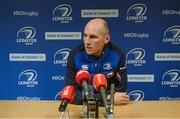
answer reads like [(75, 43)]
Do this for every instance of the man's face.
[(94, 39)]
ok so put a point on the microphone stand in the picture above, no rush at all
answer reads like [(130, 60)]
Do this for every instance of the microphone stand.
[(111, 108), (90, 104), (106, 105), (85, 104), (85, 90), (67, 114)]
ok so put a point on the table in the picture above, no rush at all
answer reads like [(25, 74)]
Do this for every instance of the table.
[(49, 109)]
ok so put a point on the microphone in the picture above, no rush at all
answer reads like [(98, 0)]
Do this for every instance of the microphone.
[(112, 98), (82, 79), (100, 84), (67, 96)]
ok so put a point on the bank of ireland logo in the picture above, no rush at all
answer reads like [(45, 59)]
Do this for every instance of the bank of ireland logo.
[(136, 95), (28, 78), (136, 57), (61, 56), (172, 35), (62, 13), (171, 78), (26, 35), (137, 13)]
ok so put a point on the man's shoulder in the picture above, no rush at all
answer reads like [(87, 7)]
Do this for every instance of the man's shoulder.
[(78, 49), (76, 54), (115, 48)]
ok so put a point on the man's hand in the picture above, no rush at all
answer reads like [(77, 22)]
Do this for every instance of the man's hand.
[(120, 98)]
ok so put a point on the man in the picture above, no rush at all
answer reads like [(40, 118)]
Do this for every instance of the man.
[(99, 55)]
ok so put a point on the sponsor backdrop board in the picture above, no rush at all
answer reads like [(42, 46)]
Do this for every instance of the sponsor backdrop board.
[(36, 37)]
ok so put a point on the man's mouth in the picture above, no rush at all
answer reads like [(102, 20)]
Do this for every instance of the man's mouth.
[(88, 48)]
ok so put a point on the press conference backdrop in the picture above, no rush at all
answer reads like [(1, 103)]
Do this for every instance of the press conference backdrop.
[(37, 36)]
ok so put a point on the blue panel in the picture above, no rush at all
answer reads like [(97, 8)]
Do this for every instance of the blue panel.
[(32, 66)]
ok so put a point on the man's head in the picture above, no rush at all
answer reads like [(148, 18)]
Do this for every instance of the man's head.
[(96, 35)]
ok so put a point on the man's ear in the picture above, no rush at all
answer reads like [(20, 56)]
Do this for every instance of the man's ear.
[(107, 38)]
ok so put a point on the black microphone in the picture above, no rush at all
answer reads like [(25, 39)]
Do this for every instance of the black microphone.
[(112, 91), (82, 79), (67, 96), (100, 84)]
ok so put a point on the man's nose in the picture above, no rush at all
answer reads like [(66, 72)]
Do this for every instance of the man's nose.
[(87, 40)]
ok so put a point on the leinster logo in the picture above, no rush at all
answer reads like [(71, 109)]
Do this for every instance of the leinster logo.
[(107, 66), (136, 57), (137, 13), (172, 35), (61, 56), (28, 78), (62, 13), (26, 35), (136, 95), (58, 96), (171, 78)]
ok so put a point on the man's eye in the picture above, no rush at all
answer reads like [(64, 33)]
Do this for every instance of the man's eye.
[(93, 36), (84, 35)]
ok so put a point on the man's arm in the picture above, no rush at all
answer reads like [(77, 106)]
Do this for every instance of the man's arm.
[(70, 79), (121, 75), (120, 96)]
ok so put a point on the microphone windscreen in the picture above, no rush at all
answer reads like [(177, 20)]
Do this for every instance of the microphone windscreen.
[(82, 75), (68, 93), (99, 80)]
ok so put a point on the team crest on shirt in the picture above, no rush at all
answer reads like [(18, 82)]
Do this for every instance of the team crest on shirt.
[(85, 67), (107, 66)]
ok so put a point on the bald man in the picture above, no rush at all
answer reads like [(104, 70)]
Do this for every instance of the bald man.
[(98, 55)]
